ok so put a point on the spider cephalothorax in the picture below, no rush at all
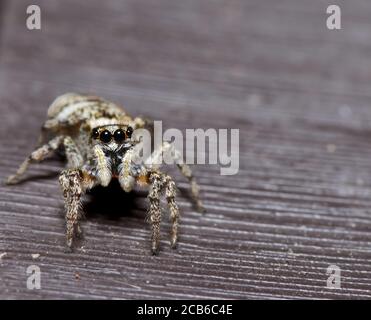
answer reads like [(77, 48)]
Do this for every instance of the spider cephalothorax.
[(99, 145), (109, 145)]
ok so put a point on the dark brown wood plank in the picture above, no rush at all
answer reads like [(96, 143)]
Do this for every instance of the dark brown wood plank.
[(300, 96)]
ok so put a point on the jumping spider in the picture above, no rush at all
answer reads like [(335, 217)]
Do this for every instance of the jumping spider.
[(97, 138)]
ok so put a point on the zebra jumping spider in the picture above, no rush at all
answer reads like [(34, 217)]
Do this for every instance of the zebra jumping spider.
[(98, 142)]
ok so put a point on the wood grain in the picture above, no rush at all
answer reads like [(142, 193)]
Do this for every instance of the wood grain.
[(300, 96)]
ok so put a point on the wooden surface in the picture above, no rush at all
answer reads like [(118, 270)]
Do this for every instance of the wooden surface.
[(300, 95)]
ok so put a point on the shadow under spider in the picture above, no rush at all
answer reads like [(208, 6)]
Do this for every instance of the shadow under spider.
[(112, 202)]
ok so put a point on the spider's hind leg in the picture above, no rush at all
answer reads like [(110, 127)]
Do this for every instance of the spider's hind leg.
[(73, 155), (195, 188), (37, 155)]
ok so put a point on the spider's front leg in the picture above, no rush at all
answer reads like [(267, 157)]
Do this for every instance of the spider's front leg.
[(167, 149), (74, 183), (162, 183)]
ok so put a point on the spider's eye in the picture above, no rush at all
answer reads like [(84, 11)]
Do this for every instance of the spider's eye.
[(119, 135), (95, 133), (105, 136), (129, 132)]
